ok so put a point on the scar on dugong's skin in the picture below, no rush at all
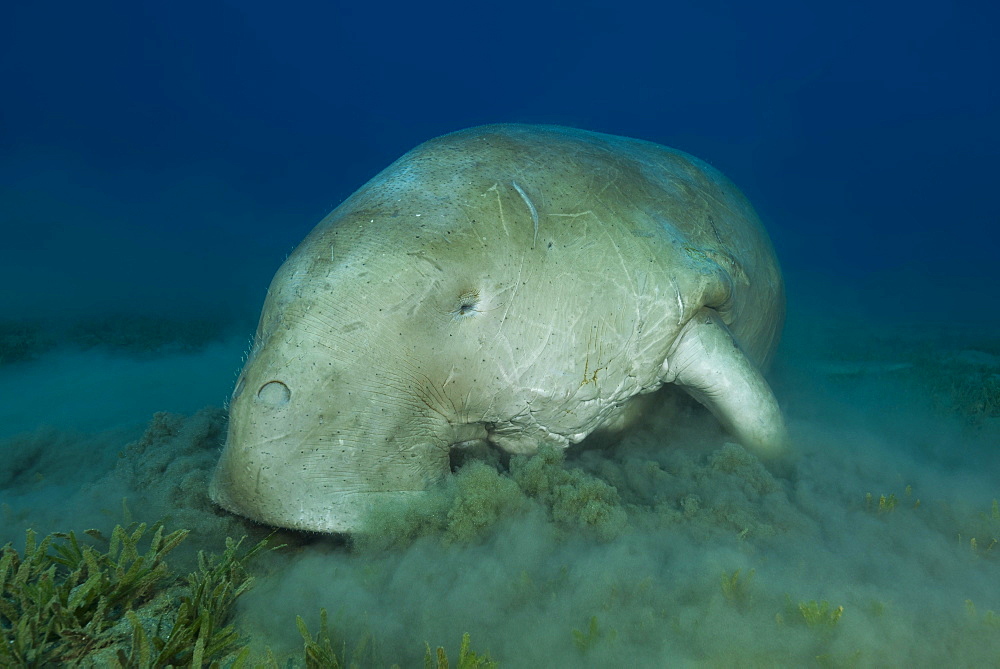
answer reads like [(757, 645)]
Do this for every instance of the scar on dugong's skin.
[(511, 284)]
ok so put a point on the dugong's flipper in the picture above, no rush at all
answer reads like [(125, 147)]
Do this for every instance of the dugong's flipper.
[(707, 363)]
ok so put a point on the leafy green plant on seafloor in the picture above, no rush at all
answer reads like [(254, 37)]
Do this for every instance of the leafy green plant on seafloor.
[(737, 588), (988, 620), (975, 395), (885, 504), (59, 600), (63, 601), (816, 614), (467, 659), (584, 641), (319, 650), (985, 533), (196, 633), (321, 654)]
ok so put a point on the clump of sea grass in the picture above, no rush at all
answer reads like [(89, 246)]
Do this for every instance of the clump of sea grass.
[(467, 658), (585, 641), (819, 614), (737, 588), (60, 598), (469, 506), (320, 651), (197, 633)]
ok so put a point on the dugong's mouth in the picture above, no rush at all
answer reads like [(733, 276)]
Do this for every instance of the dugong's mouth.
[(219, 494), (301, 495), (332, 512)]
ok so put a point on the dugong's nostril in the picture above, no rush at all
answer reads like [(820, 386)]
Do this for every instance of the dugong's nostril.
[(274, 393)]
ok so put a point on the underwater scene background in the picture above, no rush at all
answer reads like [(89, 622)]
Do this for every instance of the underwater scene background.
[(158, 162)]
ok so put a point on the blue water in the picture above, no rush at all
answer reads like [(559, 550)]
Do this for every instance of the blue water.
[(158, 162)]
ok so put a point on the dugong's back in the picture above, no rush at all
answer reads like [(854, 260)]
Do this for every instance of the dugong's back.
[(509, 284), (689, 214)]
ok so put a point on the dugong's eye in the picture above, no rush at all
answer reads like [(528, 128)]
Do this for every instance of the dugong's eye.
[(467, 304), (274, 393)]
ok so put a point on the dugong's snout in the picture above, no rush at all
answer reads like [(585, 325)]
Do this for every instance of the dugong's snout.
[(292, 494), (263, 494), (286, 463)]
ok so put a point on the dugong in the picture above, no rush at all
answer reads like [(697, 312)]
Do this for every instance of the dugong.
[(515, 285)]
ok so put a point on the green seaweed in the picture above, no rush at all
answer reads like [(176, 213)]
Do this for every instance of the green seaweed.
[(467, 659), (737, 588), (983, 533), (196, 633), (989, 620), (484, 497), (885, 503), (975, 396), (60, 598), (576, 500), (320, 651), (467, 507), (585, 640), (820, 614), (64, 602)]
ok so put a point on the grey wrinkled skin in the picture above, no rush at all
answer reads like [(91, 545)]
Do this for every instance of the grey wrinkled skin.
[(512, 284)]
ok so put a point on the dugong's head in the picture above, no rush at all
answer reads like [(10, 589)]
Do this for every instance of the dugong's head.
[(366, 356), (344, 400)]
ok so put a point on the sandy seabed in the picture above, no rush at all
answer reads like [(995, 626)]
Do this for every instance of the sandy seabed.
[(673, 547)]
